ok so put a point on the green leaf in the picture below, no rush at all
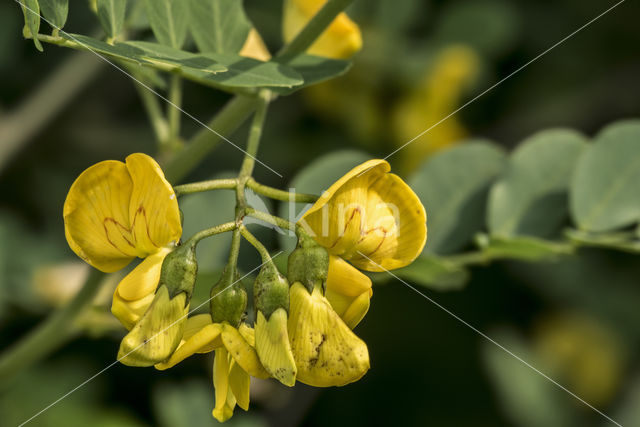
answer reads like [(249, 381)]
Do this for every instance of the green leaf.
[(31, 12), (435, 273), (122, 51), (523, 248), (315, 69), (169, 20), (531, 196), (111, 16), (622, 241), (55, 11), (453, 186), (218, 26), (221, 71), (314, 179), (605, 190)]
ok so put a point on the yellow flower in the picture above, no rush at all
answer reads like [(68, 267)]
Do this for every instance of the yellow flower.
[(327, 352), (435, 98), (117, 211), (235, 360), (370, 218), (340, 40)]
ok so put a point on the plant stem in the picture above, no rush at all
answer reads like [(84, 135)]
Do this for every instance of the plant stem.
[(50, 334), (470, 258), (271, 219), (314, 28), (154, 112), (221, 228), (264, 253), (175, 102), (276, 194), (234, 113), (213, 184), (254, 138), (234, 252)]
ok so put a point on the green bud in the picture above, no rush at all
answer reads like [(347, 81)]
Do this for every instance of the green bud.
[(271, 290), (228, 299), (309, 262), (179, 270)]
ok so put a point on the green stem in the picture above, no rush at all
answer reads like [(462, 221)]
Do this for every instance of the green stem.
[(264, 253), (154, 112), (224, 123), (271, 219), (234, 252), (276, 194), (254, 138), (50, 334), (221, 228), (174, 107), (213, 184), (470, 258), (314, 28)]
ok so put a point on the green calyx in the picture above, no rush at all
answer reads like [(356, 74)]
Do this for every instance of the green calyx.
[(270, 290), (179, 271), (309, 262), (228, 299)]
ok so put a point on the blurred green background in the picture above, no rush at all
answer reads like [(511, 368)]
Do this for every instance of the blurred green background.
[(574, 318)]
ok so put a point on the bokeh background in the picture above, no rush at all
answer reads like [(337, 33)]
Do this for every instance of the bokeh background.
[(575, 318)]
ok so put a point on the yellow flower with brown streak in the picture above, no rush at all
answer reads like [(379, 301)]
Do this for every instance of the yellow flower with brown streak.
[(117, 211), (340, 40), (235, 360)]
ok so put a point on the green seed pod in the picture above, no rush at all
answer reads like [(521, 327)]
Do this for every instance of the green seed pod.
[(309, 262), (228, 299), (271, 290), (179, 271)]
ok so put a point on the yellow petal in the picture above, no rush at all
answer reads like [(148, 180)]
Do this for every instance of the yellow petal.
[(130, 312), (242, 352), (348, 291), (225, 402), (340, 40), (326, 351), (369, 217), (239, 382), (200, 336), (158, 333), (96, 216), (273, 347), (153, 211), (254, 47)]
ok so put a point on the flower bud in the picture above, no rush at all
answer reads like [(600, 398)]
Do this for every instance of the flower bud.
[(228, 299), (158, 332), (271, 300), (309, 262)]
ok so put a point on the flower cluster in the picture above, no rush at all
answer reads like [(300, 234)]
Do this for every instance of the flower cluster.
[(368, 220)]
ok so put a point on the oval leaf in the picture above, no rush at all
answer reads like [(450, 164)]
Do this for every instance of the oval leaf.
[(453, 186), (218, 26), (55, 12), (531, 197), (111, 15), (605, 190), (168, 19), (31, 12)]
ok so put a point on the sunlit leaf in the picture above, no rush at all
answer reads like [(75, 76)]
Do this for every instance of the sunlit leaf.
[(530, 198), (111, 16), (605, 190), (219, 26), (315, 69), (168, 19), (453, 187), (31, 12), (55, 12)]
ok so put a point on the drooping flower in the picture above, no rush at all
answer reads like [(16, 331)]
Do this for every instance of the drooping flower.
[(117, 211), (326, 351), (340, 40), (235, 360)]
